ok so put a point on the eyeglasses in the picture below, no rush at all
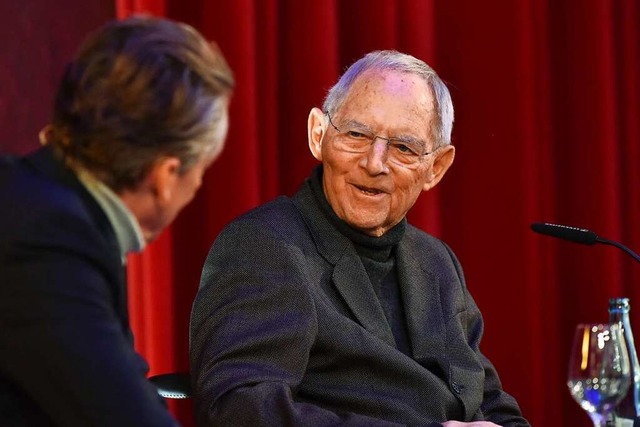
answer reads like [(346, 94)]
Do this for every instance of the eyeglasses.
[(403, 151)]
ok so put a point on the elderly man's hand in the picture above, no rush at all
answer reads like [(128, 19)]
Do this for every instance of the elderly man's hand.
[(471, 424)]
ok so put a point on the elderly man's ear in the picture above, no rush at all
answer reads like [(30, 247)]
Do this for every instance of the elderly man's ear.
[(443, 159), (316, 128)]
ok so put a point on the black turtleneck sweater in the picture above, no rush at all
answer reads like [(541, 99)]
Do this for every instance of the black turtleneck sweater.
[(379, 260)]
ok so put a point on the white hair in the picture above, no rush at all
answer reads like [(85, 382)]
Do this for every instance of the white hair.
[(395, 61)]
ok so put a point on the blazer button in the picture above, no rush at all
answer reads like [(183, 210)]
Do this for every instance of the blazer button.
[(456, 387)]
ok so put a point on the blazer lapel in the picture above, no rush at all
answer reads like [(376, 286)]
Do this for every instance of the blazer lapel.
[(420, 292), (349, 276), (352, 282)]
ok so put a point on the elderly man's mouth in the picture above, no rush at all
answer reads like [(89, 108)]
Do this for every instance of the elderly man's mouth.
[(369, 191)]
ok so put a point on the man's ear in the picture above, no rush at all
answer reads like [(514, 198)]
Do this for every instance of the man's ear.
[(162, 178), (316, 131), (441, 164)]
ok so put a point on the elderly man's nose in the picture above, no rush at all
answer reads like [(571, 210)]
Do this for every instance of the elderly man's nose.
[(376, 158)]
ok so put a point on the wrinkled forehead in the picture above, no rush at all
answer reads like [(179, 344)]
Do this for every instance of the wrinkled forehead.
[(386, 85), (390, 96)]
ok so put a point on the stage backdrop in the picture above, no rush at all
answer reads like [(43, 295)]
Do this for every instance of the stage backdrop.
[(547, 98)]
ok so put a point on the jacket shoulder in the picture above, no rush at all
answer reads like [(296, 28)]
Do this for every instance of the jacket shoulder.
[(40, 211), (279, 217)]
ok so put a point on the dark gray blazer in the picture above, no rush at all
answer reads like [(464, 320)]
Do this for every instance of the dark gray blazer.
[(66, 351), (287, 330)]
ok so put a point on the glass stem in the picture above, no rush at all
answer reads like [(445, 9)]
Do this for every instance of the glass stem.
[(599, 420)]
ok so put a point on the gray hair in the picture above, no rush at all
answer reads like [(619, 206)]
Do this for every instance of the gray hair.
[(392, 60)]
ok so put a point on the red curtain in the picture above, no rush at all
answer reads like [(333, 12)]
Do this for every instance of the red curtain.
[(547, 98)]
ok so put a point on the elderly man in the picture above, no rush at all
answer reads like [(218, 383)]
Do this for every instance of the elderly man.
[(328, 308), (141, 112)]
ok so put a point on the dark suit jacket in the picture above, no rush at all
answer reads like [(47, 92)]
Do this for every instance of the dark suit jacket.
[(287, 330), (66, 354)]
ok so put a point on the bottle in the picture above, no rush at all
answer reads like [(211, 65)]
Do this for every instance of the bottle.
[(629, 407)]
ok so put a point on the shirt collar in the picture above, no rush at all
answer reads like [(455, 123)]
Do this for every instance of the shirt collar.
[(125, 225)]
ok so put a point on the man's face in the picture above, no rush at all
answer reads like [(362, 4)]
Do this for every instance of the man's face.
[(168, 189), (367, 190), (186, 184), (171, 193)]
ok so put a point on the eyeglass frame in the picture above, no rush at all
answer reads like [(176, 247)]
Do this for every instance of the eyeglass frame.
[(388, 140)]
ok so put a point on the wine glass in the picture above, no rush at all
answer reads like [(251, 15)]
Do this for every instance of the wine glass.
[(599, 371)]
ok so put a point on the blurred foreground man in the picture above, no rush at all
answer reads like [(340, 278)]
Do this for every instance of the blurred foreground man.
[(327, 308), (140, 114)]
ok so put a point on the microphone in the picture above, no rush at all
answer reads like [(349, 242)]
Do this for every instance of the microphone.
[(578, 235)]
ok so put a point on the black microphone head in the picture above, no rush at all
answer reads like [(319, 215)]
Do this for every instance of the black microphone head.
[(573, 234)]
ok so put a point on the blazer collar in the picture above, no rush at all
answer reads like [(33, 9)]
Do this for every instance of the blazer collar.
[(330, 242), (349, 275)]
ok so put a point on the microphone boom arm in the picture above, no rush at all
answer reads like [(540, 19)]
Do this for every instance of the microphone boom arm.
[(578, 235), (619, 246)]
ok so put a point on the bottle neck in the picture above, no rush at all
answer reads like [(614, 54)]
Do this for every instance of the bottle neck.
[(617, 314)]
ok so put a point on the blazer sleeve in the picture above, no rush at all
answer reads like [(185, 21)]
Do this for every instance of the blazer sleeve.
[(497, 406), (63, 347), (252, 328)]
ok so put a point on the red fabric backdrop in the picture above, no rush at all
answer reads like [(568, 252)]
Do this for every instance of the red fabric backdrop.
[(547, 98)]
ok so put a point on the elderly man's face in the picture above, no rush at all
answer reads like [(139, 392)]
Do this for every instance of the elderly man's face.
[(370, 191)]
